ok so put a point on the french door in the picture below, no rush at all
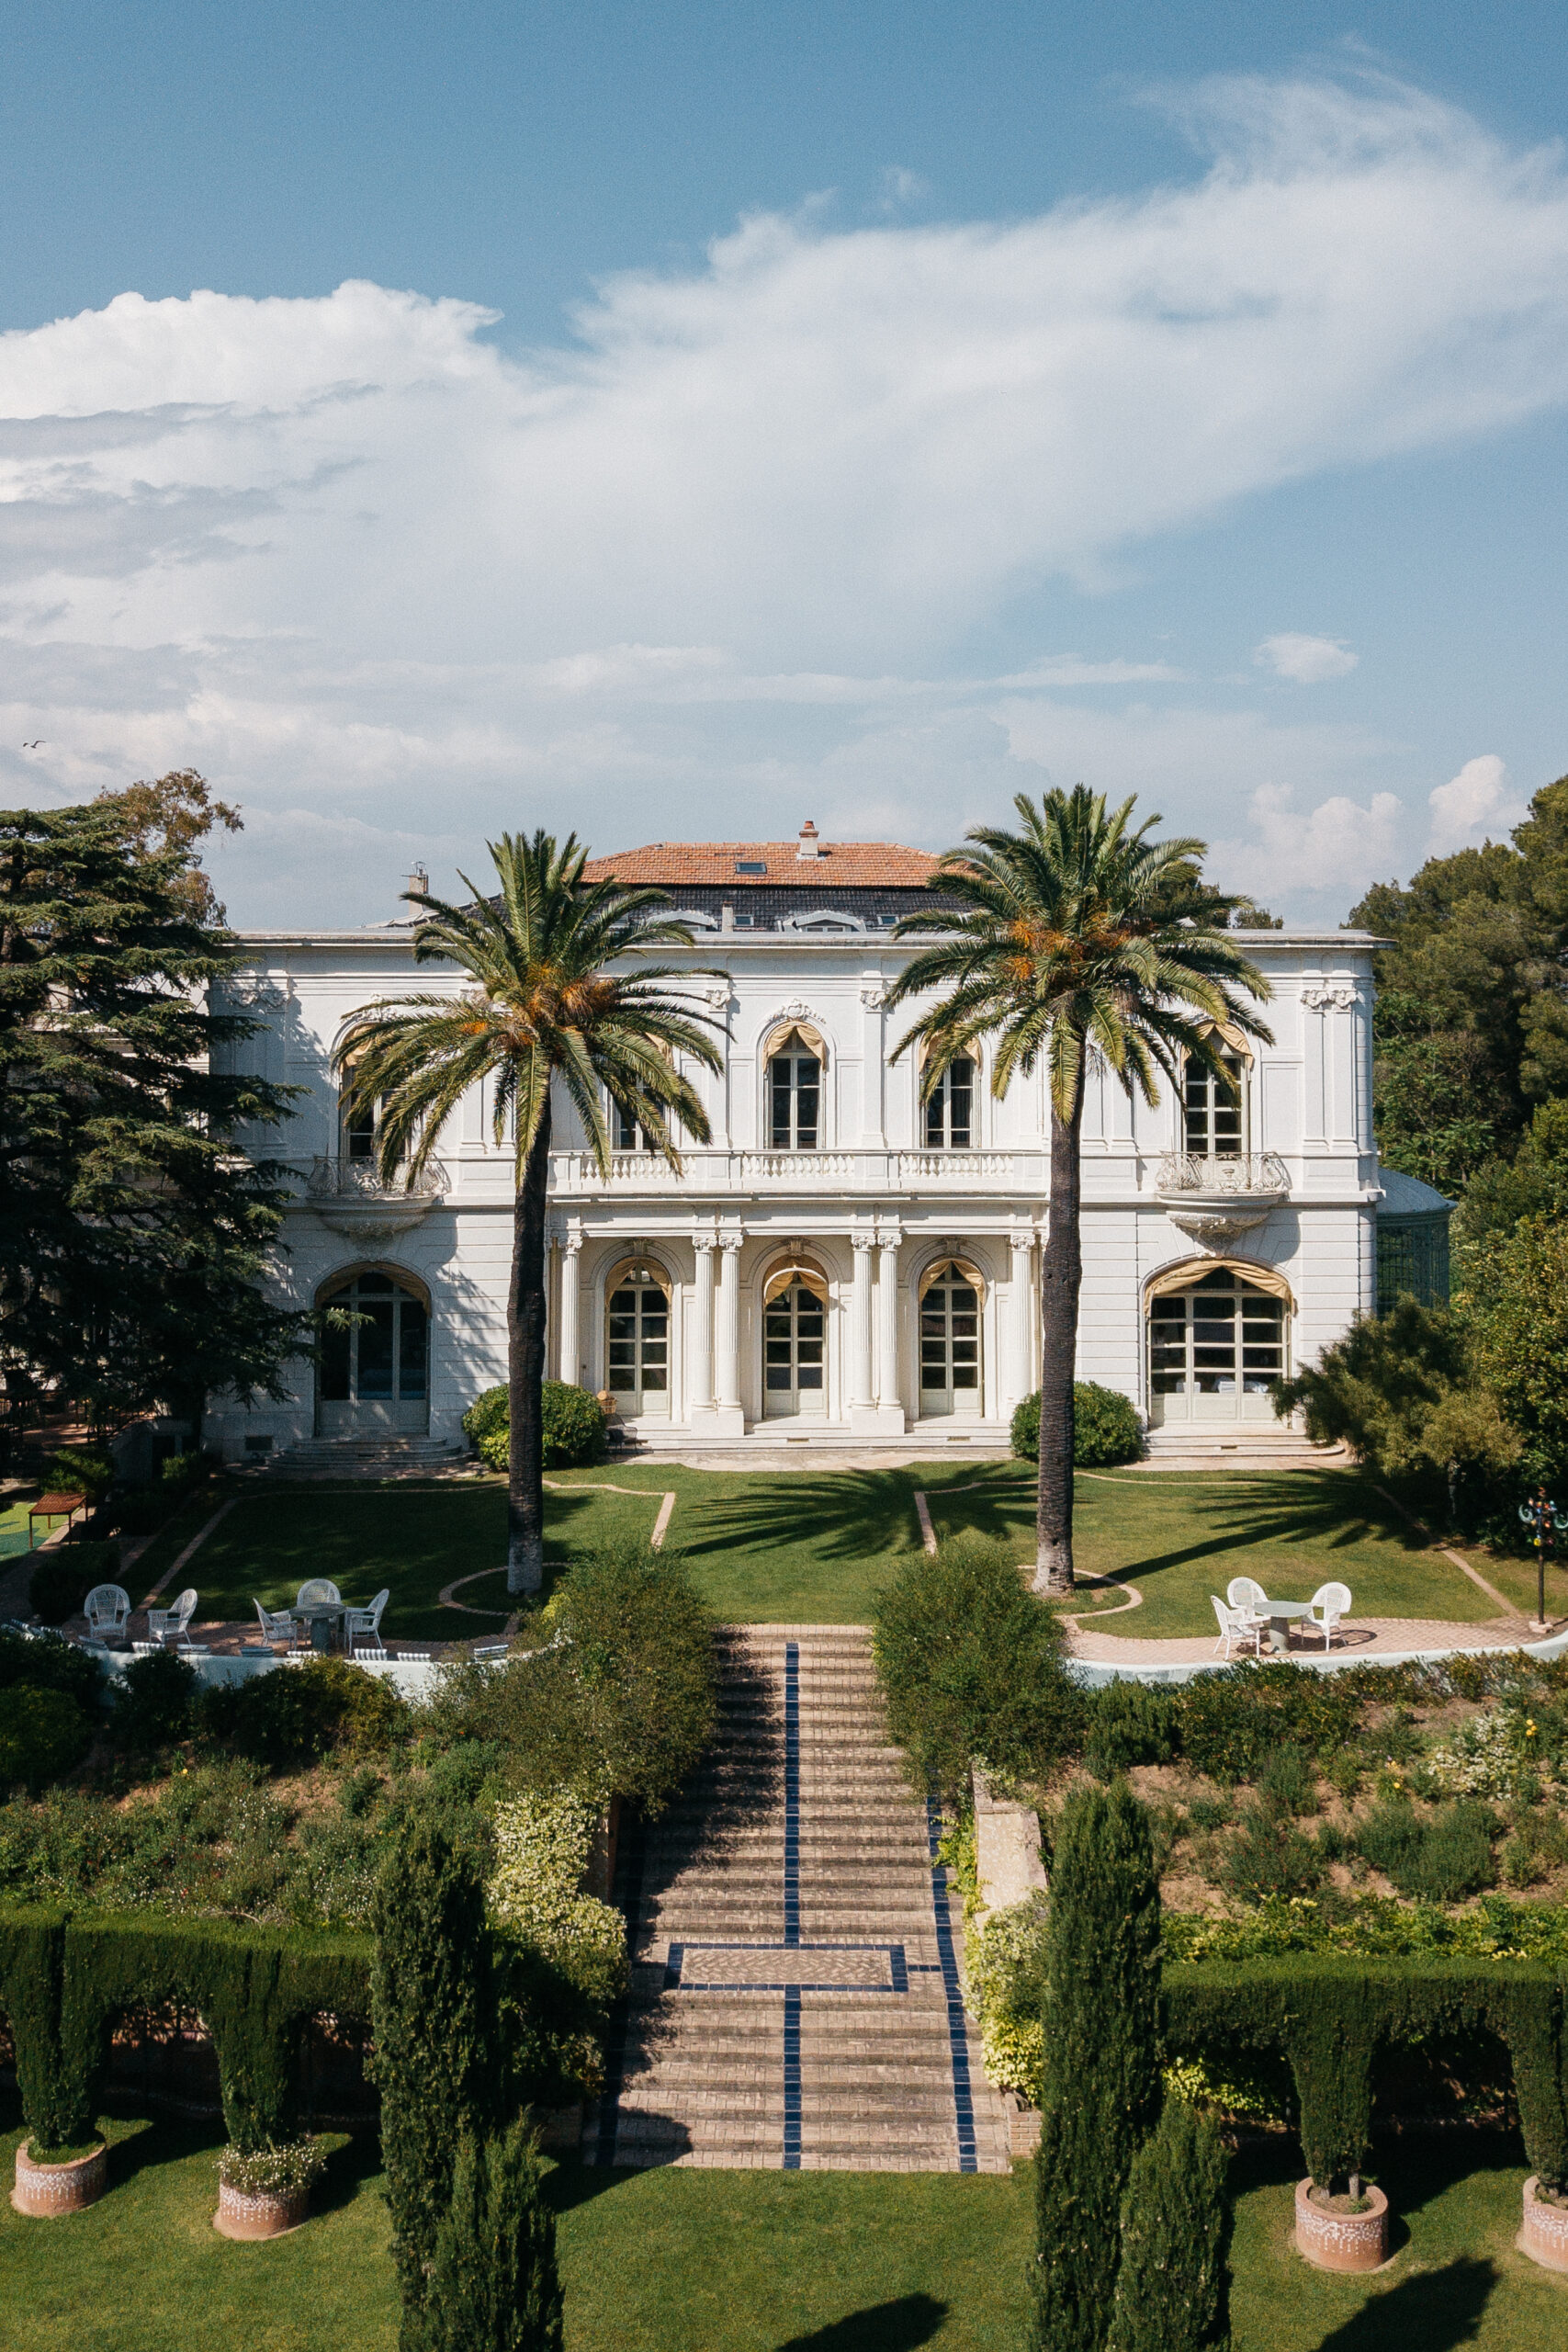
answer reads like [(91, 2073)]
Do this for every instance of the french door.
[(1216, 1351), (950, 1344), (373, 1376), (795, 1372), (638, 1345)]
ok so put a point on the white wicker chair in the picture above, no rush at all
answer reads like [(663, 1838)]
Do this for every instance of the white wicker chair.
[(315, 1591), (108, 1611), (1329, 1604), (362, 1627), (1245, 1594), (276, 1625), (165, 1623), (1236, 1626)]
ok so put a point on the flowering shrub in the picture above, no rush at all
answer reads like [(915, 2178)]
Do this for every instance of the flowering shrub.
[(1486, 1757), (534, 1892), (1005, 1962), (272, 2172)]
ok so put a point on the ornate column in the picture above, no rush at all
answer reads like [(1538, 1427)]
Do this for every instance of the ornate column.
[(570, 1370), (1019, 1377), (727, 1347), (699, 1401), (862, 1400), (889, 1405)]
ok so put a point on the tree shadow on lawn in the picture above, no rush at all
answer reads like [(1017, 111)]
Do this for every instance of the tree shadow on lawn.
[(1431, 2312), (843, 1515), (1270, 1514), (900, 2325)]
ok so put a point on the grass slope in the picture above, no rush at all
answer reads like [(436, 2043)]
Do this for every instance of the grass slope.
[(700, 2261)]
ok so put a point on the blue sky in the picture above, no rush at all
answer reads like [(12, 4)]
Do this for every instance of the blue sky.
[(735, 415)]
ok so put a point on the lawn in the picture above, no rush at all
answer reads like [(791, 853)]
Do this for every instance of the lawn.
[(701, 2261), (814, 1546)]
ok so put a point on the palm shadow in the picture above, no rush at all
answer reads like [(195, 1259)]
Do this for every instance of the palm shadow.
[(896, 2326), (1430, 2312), (850, 1514)]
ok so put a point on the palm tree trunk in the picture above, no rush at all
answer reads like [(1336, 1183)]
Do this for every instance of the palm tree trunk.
[(1061, 1275), (526, 1308)]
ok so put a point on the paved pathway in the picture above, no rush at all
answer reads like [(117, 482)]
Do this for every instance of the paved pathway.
[(795, 1999), (1365, 1637)]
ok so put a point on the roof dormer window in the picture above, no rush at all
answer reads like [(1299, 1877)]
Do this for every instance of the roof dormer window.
[(751, 865)]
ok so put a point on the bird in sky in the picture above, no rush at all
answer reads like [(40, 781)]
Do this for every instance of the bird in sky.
[(35, 745)]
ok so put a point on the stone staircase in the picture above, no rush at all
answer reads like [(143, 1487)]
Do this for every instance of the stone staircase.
[(795, 1999), (365, 1457)]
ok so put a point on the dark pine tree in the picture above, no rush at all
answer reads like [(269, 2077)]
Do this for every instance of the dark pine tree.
[(494, 2282), (1171, 2287), (1101, 2089)]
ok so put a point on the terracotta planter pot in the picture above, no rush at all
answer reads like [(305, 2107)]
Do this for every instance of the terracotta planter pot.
[(1544, 2237), (243, 2215), (46, 2191), (1341, 2240)]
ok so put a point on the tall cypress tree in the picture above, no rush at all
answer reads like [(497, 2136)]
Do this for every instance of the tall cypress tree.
[(1101, 2087), (1170, 2289), (494, 2282), (436, 2060)]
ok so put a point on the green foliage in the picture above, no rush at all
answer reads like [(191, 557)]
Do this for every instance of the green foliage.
[(1286, 1782), (1502, 1194), (618, 1697), (1106, 1428), (1005, 1964), (1129, 1722), (571, 1426), (494, 2286), (47, 1663), (1403, 1391), (1440, 1860), (1268, 1856), (1232, 1723), (76, 1470), (1101, 2086), (156, 1702), (299, 1712), (1523, 1342), (135, 1239), (1171, 2286), (273, 2172), (42, 1735), (542, 1848), (435, 2044), (970, 1664), (62, 1578)]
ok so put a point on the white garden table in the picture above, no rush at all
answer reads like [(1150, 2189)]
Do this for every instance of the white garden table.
[(1281, 1616)]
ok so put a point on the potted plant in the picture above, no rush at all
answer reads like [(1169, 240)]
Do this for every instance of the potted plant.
[(262, 2192), (51, 2181), (1544, 2234)]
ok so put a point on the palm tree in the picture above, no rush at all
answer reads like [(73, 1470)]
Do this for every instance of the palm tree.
[(1078, 935), (542, 1007)]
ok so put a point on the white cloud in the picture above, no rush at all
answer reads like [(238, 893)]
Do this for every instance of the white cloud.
[(1333, 849), (1305, 661), (1475, 805), (350, 556)]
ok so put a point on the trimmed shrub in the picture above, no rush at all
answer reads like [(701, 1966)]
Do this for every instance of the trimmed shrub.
[(1106, 1429), (1129, 1722), (1171, 2287), (299, 1712), (970, 1664), (573, 1426), (542, 1847), (42, 1735), (62, 1579), (1100, 2089), (494, 2286), (155, 1703), (434, 2060)]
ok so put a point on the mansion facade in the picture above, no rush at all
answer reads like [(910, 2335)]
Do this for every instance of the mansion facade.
[(840, 1262)]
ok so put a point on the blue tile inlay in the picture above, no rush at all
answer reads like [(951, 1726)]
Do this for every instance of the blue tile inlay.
[(791, 2078), (630, 1868), (957, 2031), (791, 1794)]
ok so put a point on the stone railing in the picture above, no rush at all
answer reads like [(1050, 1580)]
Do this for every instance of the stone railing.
[(871, 1169), (349, 1196), (1248, 1175)]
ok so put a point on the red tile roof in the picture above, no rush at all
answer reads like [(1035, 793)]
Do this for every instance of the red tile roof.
[(850, 864)]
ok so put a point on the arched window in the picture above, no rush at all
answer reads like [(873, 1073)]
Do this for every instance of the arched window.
[(951, 1297), (950, 1108), (637, 1339), (794, 1342), (374, 1371), (795, 1091), (1218, 1346)]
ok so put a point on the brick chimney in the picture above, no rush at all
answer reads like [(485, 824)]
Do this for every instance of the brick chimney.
[(809, 845), (418, 880)]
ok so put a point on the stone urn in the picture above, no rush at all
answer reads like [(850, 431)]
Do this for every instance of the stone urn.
[(259, 2213), (1544, 2237), (1338, 2241), (46, 2191)]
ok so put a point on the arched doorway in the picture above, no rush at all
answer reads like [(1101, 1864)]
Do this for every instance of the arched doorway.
[(637, 1348), (951, 1294), (794, 1344), (374, 1375), (1218, 1346)]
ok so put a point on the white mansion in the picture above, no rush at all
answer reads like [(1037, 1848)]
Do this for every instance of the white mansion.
[(839, 1261)]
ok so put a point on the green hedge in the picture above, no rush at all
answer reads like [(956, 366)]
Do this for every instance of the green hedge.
[(572, 1426), (1330, 2017), (1106, 1429), (64, 1981)]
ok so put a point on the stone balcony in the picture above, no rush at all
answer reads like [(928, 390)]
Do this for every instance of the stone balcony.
[(870, 1172), (349, 1196), (1216, 1199)]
